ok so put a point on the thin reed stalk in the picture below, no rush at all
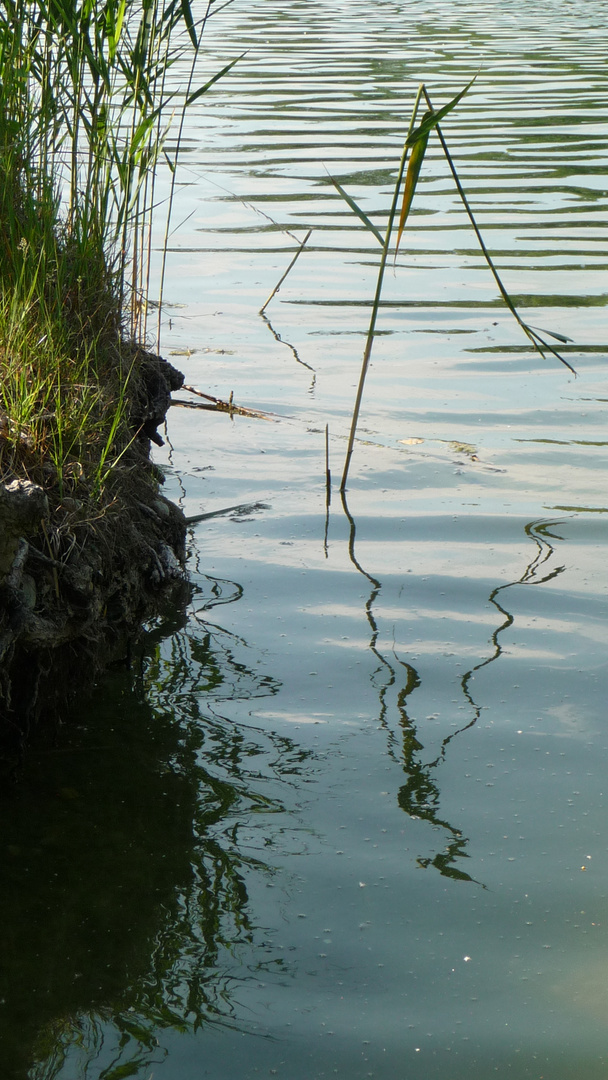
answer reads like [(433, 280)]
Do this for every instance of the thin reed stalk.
[(417, 140), (287, 271), (369, 343)]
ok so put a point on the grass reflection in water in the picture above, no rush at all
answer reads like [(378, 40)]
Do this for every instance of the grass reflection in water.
[(127, 843)]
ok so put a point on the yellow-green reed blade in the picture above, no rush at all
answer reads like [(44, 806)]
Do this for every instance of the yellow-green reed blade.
[(411, 179)]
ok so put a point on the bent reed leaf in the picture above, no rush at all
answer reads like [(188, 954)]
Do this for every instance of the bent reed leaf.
[(432, 118), (357, 210), (203, 89), (533, 335), (553, 334)]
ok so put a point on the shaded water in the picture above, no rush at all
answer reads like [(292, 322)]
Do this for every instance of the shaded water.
[(348, 816)]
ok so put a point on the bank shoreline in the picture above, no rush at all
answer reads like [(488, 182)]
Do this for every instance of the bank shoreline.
[(89, 546), (78, 577)]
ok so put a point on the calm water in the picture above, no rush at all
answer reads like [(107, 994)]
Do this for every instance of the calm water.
[(348, 815)]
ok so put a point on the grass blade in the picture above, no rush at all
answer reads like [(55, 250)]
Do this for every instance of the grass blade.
[(203, 89), (357, 210), (189, 21), (538, 342), (418, 141), (411, 179)]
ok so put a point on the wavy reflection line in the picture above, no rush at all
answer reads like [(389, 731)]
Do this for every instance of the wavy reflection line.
[(419, 797), (292, 349), (540, 533)]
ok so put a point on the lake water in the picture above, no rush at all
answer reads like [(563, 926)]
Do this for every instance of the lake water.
[(347, 817)]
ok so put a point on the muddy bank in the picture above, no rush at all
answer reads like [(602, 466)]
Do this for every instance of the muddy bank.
[(77, 579)]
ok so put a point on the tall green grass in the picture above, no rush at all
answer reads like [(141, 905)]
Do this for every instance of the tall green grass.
[(85, 107)]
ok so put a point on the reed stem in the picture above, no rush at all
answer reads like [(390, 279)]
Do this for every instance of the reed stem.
[(369, 344)]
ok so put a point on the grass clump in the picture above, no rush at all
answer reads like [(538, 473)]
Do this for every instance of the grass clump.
[(61, 357), (83, 102), (60, 330)]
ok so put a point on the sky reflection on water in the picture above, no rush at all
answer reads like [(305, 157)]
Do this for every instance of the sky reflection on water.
[(348, 819)]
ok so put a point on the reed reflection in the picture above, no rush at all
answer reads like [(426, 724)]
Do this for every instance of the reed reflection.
[(396, 680), (292, 348), (129, 842), (540, 532)]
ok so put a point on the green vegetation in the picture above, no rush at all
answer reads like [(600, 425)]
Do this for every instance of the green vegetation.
[(84, 103), (414, 148)]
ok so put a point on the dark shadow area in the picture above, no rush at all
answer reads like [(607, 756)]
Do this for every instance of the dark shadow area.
[(124, 870)]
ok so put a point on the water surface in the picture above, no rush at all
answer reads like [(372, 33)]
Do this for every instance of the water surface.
[(348, 816)]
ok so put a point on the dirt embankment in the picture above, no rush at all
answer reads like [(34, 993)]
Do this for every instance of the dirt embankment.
[(77, 579)]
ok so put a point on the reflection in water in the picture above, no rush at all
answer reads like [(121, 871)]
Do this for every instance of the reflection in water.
[(280, 340), (540, 532), (292, 348), (396, 679), (127, 845)]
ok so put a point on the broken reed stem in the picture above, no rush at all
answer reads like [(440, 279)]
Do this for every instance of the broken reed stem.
[(538, 342), (281, 280), (376, 304), (217, 405)]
